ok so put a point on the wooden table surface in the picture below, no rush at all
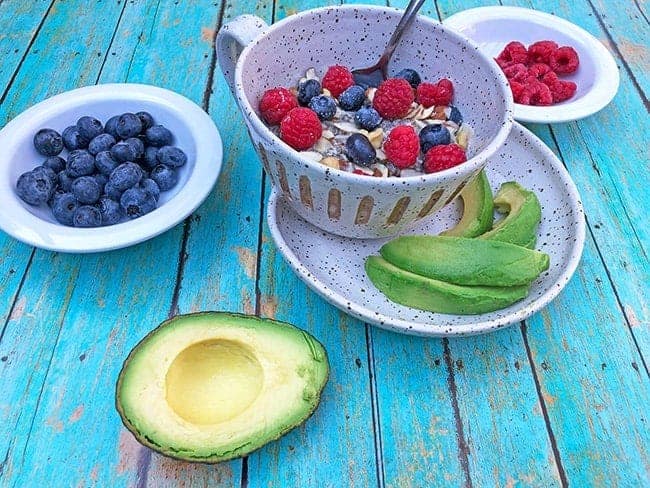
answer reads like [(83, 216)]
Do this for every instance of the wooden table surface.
[(562, 399)]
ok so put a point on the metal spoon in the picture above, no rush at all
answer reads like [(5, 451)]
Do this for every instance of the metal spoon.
[(377, 73)]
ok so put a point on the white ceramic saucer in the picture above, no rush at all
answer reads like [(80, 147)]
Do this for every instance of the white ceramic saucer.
[(597, 77), (333, 266), (194, 132)]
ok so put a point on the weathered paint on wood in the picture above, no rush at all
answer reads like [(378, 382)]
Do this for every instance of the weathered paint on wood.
[(558, 401)]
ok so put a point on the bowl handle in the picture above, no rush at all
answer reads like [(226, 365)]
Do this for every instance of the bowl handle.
[(231, 41)]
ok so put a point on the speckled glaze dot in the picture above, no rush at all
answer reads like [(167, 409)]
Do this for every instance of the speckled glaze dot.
[(333, 266)]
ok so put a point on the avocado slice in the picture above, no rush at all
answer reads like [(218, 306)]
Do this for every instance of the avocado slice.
[(478, 209), (417, 291), (524, 214), (214, 386), (465, 261)]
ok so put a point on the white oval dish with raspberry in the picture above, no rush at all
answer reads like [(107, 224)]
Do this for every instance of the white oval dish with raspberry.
[(333, 266), (34, 223), (596, 78)]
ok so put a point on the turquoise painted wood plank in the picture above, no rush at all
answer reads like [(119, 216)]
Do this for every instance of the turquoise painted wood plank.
[(335, 447), (19, 23), (606, 166)]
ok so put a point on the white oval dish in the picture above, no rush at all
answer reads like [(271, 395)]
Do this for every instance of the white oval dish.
[(333, 266), (194, 132), (597, 77)]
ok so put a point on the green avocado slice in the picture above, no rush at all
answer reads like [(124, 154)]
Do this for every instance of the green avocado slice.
[(478, 209), (524, 214), (416, 291), (213, 386), (465, 261)]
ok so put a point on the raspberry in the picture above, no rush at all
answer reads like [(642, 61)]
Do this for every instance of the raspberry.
[(540, 94), (503, 64), (520, 93), (402, 146), (516, 72), (441, 93), (300, 128), (337, 79), (275, 104), (513, 52), (540, 51), (564, 60), (562, 90), (538, 70), (393, 98), (550, 79), (439, 158)]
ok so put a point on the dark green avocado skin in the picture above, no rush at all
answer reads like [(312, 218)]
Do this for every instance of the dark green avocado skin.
[(317, 350)]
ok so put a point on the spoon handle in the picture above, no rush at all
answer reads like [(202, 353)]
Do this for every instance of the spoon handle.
[(407, 19)]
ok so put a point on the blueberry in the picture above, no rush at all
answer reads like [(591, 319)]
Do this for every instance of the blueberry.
[(307, 90), (125, 176), (411, 76), (352, 98), (47, 172), (145, 119), (86, 216), (112, 192), (63, 208), (324, 106), (367, 118), (55, 163), (166, 178), (72, 140), (171, 156), (137, 145), (80, 163), (48, 142), (85, 189), (101, 180), (137, 202), (34, 188), (150, 158), (434, 135), (158, 136), (110, 210), (89, 127), (103, 142), (455, 115), (359, 150), (128, 125), (150, 186), (105, 162), (65, 181), (123, 152), (111, 126)]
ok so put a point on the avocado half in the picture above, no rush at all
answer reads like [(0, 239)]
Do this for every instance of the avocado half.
[(213, 386)]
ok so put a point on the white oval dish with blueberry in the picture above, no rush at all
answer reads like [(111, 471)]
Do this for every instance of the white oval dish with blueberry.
[(104, 167)]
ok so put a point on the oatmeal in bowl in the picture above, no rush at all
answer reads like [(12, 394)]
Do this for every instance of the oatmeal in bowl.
[(352, 160)]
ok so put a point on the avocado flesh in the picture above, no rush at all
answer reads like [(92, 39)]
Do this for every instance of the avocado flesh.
[(524, 214), (478, 209), (416, 291), (465, 261), (214, 386)]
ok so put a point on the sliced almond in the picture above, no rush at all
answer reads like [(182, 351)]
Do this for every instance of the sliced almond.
[(380, 170), (332, 162), (381, 154), (328, 134), (426, 113), (421, 124), (346, 127), (376, 137), (311, 74), (313, 155), (326, 92), (370, 94), (323, 145)]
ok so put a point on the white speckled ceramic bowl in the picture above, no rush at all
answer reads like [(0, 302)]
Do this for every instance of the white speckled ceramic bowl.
[(333, 266), (255, 57)]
